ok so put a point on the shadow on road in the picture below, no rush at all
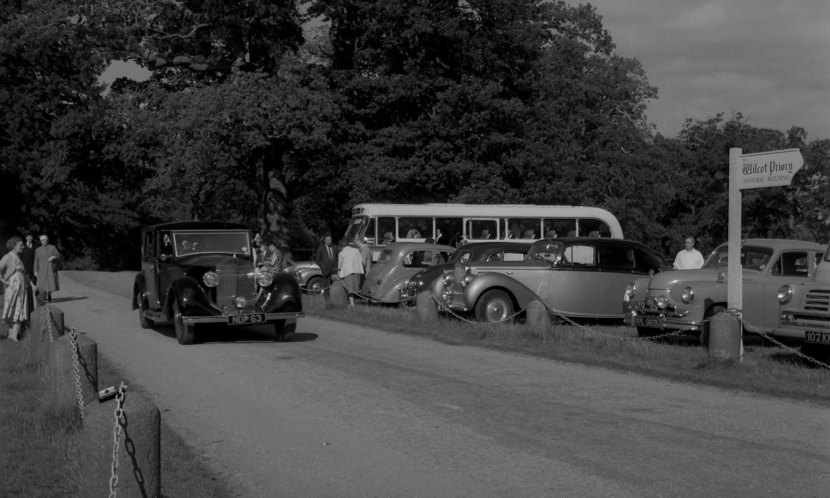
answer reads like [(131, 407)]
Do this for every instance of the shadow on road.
[(224, 333)]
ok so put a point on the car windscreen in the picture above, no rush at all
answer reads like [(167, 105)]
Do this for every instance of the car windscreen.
[(195, 242), (753, 258), (545, 251)]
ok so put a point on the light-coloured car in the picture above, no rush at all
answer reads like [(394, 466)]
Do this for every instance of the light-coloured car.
[(805, 315), (686, 299), (430, 279), (580, 277), (396, 264), (308, 274)]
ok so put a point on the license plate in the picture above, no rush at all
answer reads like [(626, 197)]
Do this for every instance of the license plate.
[(652, 322), (246, 319), (817, 337)]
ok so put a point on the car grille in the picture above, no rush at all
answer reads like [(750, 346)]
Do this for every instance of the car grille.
[(817, 300), (235, 281)]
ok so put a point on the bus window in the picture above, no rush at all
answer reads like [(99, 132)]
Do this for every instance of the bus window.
[(356, 228), (561, 227), (478, 229), (522, 228), (369, 235), (593, 228), (451, 228), (386, 229), (412, 227)]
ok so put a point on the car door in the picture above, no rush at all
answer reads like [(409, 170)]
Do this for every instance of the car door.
[(618, 266), (149, 268), (760, 296), (573, 284)]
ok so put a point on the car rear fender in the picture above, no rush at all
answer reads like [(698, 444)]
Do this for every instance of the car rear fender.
[(520, 294)]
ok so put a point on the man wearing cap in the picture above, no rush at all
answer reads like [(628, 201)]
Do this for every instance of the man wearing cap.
[(46, 257)]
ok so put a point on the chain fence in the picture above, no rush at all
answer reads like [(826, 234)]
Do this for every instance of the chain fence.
[(48, 326), (76, 368), (117, 425)]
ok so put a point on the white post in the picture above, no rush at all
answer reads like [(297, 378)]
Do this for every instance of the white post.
[(734, 280)]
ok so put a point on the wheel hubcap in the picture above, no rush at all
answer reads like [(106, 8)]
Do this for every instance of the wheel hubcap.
[(496, 311)]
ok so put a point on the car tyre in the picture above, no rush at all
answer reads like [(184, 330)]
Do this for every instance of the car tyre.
[(315, 284), (185, 333), (145, 322), (283, 331), (712, 311), (494, 306)]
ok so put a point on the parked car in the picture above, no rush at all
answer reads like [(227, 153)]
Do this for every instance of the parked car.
[(308, 275), (396, 264), (805, 314), (580, 277), (203, 272), (431, 278), (685, 299)]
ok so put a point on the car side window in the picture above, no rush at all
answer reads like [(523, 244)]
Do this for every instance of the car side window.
[(513, 256), (617, 258), (579, 255), (149, 250), (792, 264)]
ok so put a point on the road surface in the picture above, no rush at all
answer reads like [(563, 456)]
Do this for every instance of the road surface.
[(346, 411)]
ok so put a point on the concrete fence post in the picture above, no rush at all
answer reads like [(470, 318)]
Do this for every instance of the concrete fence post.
[(538, 320), (426, 310), (336, 296), (725, 341), (138, 455), (61, 376)]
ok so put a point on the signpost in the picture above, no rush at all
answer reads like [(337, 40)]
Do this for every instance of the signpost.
[(765, 169)]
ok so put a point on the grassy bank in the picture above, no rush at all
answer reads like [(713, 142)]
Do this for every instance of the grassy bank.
[(764, 370), (36, 443)]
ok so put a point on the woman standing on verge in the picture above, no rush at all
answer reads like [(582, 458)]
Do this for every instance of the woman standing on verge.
[(13, 275), (273, 261), (350, 269), (47, 274)]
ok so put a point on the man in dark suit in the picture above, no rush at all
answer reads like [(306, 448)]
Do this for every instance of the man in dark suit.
[(28, 258), (326, 259)]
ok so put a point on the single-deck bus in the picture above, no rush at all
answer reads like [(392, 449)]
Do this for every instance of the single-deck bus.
[(380, 224)]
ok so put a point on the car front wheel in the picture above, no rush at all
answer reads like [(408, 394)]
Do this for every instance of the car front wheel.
[(494, 306), (185, 333)]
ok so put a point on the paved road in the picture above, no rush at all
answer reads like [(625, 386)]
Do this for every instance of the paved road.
[(345, 411)]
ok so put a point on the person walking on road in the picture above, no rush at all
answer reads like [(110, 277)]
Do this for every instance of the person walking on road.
[(16, 282), (689, 258), (46, 257)]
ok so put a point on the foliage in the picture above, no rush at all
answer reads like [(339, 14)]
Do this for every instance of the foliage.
[(479, 101)]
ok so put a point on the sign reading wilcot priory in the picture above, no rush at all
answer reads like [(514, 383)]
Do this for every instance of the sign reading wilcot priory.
[(769, 169)]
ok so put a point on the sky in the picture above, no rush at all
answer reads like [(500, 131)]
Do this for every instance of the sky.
[(766, 59)]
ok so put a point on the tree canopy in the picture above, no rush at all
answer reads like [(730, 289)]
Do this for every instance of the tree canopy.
[(248, 118)]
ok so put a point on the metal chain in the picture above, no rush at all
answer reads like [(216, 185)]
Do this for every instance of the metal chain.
[(73, 345), (116, 435)]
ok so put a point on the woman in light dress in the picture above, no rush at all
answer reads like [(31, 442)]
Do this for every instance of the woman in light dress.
[(16, 282)]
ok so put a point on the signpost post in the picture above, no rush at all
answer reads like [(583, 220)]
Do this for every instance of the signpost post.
[(765, 169)]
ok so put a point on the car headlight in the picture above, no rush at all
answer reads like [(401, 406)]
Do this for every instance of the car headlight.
[(662, 302), (449, 278), (211, 279), (264, 279), (687, 295), (785, 293)]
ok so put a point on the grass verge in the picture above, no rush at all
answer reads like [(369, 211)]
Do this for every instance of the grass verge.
[(37, 443), (763, 370)]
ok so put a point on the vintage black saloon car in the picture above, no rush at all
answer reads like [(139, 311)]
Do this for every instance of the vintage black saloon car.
[(203, 272)]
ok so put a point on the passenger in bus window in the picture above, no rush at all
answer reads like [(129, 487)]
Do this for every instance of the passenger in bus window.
[(388, 238), (485, 234), (529, 234), (413, 234), (550, 234)]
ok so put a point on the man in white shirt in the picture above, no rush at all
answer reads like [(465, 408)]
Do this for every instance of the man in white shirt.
[(689, 258)]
